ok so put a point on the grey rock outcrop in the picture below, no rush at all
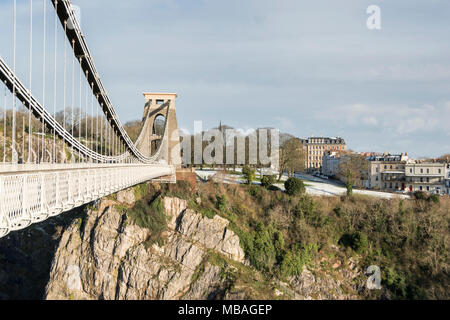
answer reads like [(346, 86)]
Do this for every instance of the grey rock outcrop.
[(126, 196), (106, 257)]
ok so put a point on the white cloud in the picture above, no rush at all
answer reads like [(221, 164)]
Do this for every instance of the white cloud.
[(399, 119), (284, 124)]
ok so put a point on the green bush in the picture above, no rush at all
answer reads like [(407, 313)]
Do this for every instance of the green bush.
[(395, 282), (150, 214), (267, 181), (221, 203), (293, 261), (420, 195), (357, 241), (249, 174), (294, 186), (434, 198), (263, 247), (360, 242), (140, 190)]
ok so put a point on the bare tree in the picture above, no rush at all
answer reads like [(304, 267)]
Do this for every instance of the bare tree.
[(292, 157), (352, 170)]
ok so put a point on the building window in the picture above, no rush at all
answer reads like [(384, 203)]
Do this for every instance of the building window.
[(420, 188), (421, 170), (428, 188), (428, 170), (159, 102), (410, 170)]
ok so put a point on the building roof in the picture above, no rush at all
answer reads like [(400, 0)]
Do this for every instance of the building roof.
[(388, 157), (327, 140)]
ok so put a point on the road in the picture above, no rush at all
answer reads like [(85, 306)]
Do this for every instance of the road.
[(314, 185)]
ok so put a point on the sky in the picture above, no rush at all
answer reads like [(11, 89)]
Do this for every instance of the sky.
[(308, 68)]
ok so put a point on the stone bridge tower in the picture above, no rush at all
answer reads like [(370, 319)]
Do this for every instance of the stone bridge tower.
[(160, 106)]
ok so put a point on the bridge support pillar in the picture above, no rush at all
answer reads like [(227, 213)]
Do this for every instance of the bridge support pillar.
[(160, 109)]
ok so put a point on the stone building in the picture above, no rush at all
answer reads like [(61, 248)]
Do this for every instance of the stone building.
[(447, 178), (426, 176), (317, 147), (330, 164), (387, 172)]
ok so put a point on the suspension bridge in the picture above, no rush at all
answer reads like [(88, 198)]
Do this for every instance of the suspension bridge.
[(62, 143)]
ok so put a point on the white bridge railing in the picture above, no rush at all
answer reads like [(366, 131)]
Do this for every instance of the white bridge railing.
[(28, 196)]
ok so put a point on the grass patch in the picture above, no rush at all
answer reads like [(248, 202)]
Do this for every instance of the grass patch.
[(149, 213)]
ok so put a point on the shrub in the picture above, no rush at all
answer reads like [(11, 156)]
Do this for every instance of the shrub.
[(357, 241), (434, 198), (140, 190), (273, 188), (221, 203), (294, 186), (150, 214), (182, 189), (420, 195), (267, 181), (294, 261), (262, 246), (395, 282), (249, 174), (360, 242)]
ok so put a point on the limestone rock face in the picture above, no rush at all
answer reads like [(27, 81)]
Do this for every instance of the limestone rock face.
[(106, 257), (325, 286), (126, 196), (211, 233)]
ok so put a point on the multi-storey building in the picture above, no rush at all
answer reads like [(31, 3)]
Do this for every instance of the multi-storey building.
[(387, 172), (330, 164), (425, 176), (317, 147), (447, 178)]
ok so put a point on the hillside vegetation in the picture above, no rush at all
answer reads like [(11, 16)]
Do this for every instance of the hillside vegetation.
[(280, 234)]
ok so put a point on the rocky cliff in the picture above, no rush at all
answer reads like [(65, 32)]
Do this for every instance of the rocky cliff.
[(106, 256)]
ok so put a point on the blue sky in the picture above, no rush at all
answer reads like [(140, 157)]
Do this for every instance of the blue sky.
[(305, 67)]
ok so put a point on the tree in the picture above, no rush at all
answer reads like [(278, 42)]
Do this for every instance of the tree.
[(294, 186), (267, 181), (352, 170), (249, 174), (292, 157)]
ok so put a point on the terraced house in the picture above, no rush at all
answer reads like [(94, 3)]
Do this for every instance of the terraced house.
[(429, 177), (447, 178), (387, 172)]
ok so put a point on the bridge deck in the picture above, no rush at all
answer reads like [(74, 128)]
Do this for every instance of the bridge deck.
[(29, 195)]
